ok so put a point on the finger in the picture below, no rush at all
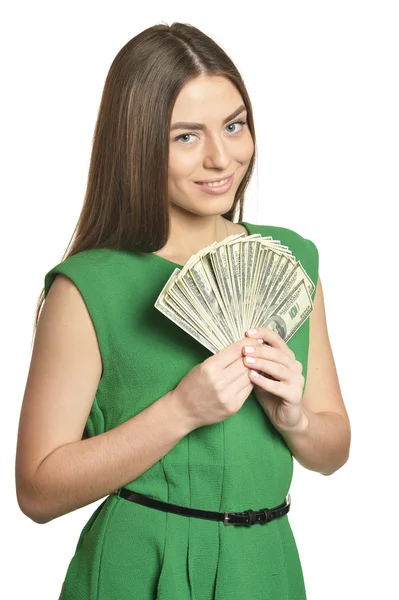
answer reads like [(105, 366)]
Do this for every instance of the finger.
[(269, 353), (277, 370), (228, 355), (266, 382), (272, 338)]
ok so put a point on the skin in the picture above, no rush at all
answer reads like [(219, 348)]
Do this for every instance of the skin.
[(219, 150)]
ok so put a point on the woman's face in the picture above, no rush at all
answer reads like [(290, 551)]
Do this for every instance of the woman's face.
[(216, 151)]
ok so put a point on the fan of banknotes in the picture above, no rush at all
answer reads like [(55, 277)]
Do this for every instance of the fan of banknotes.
[(242, 282)]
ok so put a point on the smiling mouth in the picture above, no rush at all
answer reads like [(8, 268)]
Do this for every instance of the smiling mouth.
[(217, 182)]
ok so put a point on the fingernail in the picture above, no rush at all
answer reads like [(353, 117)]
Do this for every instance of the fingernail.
[(252, 331), (250, 359)]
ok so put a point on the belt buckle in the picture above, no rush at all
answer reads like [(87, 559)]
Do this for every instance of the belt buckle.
[(249, 514), (250, 518), (227, 516)]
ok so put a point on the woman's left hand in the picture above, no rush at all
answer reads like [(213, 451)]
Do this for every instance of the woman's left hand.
[(279, 387)]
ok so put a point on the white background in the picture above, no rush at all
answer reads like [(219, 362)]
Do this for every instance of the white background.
[(323, 80)]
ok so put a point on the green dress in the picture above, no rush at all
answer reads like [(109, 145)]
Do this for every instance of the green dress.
[(128, 551)]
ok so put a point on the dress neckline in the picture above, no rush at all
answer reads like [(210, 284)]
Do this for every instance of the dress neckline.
[(166, 260)]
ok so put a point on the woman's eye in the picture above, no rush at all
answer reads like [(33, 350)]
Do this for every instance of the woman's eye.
[(187, 135), (237, 123)]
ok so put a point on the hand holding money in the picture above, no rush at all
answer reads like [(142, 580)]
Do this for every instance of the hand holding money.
[(279, 385), (214, 389)]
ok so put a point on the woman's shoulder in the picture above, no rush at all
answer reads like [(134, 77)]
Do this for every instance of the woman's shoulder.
[(97, 259), (96, 267)]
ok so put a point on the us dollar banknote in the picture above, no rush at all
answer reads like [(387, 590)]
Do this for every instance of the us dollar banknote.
[(230, 286)]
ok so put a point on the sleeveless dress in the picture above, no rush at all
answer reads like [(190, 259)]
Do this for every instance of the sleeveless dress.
[(128, 551)]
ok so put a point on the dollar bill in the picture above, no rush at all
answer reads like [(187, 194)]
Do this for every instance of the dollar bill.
[(230, 286)]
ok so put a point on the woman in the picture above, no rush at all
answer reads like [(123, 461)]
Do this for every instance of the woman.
[(161, 416)]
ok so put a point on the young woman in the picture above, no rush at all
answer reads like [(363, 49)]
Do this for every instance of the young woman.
[(122, 403)]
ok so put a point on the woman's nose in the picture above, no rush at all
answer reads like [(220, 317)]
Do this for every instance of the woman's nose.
[(216, 152)]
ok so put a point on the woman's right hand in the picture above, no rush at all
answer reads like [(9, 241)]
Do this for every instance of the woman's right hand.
[(216, 388)]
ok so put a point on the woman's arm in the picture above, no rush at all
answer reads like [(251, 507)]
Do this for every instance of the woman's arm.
[(56, 471), (322, 440), (81, 472)]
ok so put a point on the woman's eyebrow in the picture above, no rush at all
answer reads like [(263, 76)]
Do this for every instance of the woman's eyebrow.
[(183, 125)]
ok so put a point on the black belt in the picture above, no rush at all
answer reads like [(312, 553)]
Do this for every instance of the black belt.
[(247, 517)]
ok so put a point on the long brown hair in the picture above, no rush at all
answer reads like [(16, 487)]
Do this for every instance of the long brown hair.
[(126, 200)]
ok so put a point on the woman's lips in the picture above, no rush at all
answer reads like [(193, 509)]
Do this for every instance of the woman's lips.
[(219, 189)]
